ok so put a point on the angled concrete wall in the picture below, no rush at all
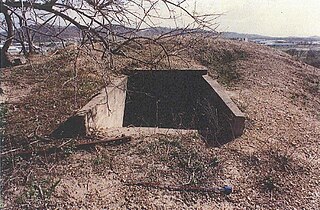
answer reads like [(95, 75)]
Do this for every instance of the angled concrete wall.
[(105, 110), (228, 110)]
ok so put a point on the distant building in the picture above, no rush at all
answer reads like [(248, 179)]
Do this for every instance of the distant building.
[(274, 43), (316, 42), (14, 50), (243, 39)]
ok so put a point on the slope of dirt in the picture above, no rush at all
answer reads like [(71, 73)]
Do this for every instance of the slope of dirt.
[(280, 147), (275, 164)]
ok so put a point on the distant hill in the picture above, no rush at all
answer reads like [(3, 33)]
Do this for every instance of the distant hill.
[(315, 37), (48, 33), (234, 35)]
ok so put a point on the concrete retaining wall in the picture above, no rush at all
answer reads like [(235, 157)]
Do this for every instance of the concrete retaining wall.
[(103, 111), (106, 110), (227, 108)]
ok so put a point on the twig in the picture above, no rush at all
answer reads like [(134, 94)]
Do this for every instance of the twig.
[(7, 152), (119, 140), (14, 152), (226, 189), (64, 143), (40, 191)]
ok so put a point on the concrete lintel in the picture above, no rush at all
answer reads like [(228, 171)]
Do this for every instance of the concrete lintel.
[(195, 71), (237, 117)]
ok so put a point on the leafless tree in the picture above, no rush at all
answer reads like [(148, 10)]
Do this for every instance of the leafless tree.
[(113, 23)]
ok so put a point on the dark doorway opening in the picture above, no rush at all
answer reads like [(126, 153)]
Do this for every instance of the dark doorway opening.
[(180, 99), (164, 99)]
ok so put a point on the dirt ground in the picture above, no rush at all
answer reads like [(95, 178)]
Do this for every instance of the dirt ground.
[(275, 164)]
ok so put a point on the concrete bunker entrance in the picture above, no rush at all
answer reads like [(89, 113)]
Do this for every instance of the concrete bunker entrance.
[(168, 99)]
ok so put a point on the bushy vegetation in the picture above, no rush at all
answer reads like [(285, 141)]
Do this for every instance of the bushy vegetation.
[(221, 62)]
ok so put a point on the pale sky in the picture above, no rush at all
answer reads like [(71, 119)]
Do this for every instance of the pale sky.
[(266, 17)]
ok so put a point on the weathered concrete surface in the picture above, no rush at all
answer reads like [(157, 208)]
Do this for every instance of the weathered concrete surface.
[(233, 115), (146, 131), (103, 111), (106, 110)]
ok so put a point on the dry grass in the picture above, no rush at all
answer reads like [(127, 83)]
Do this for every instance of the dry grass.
[(56, 91)]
